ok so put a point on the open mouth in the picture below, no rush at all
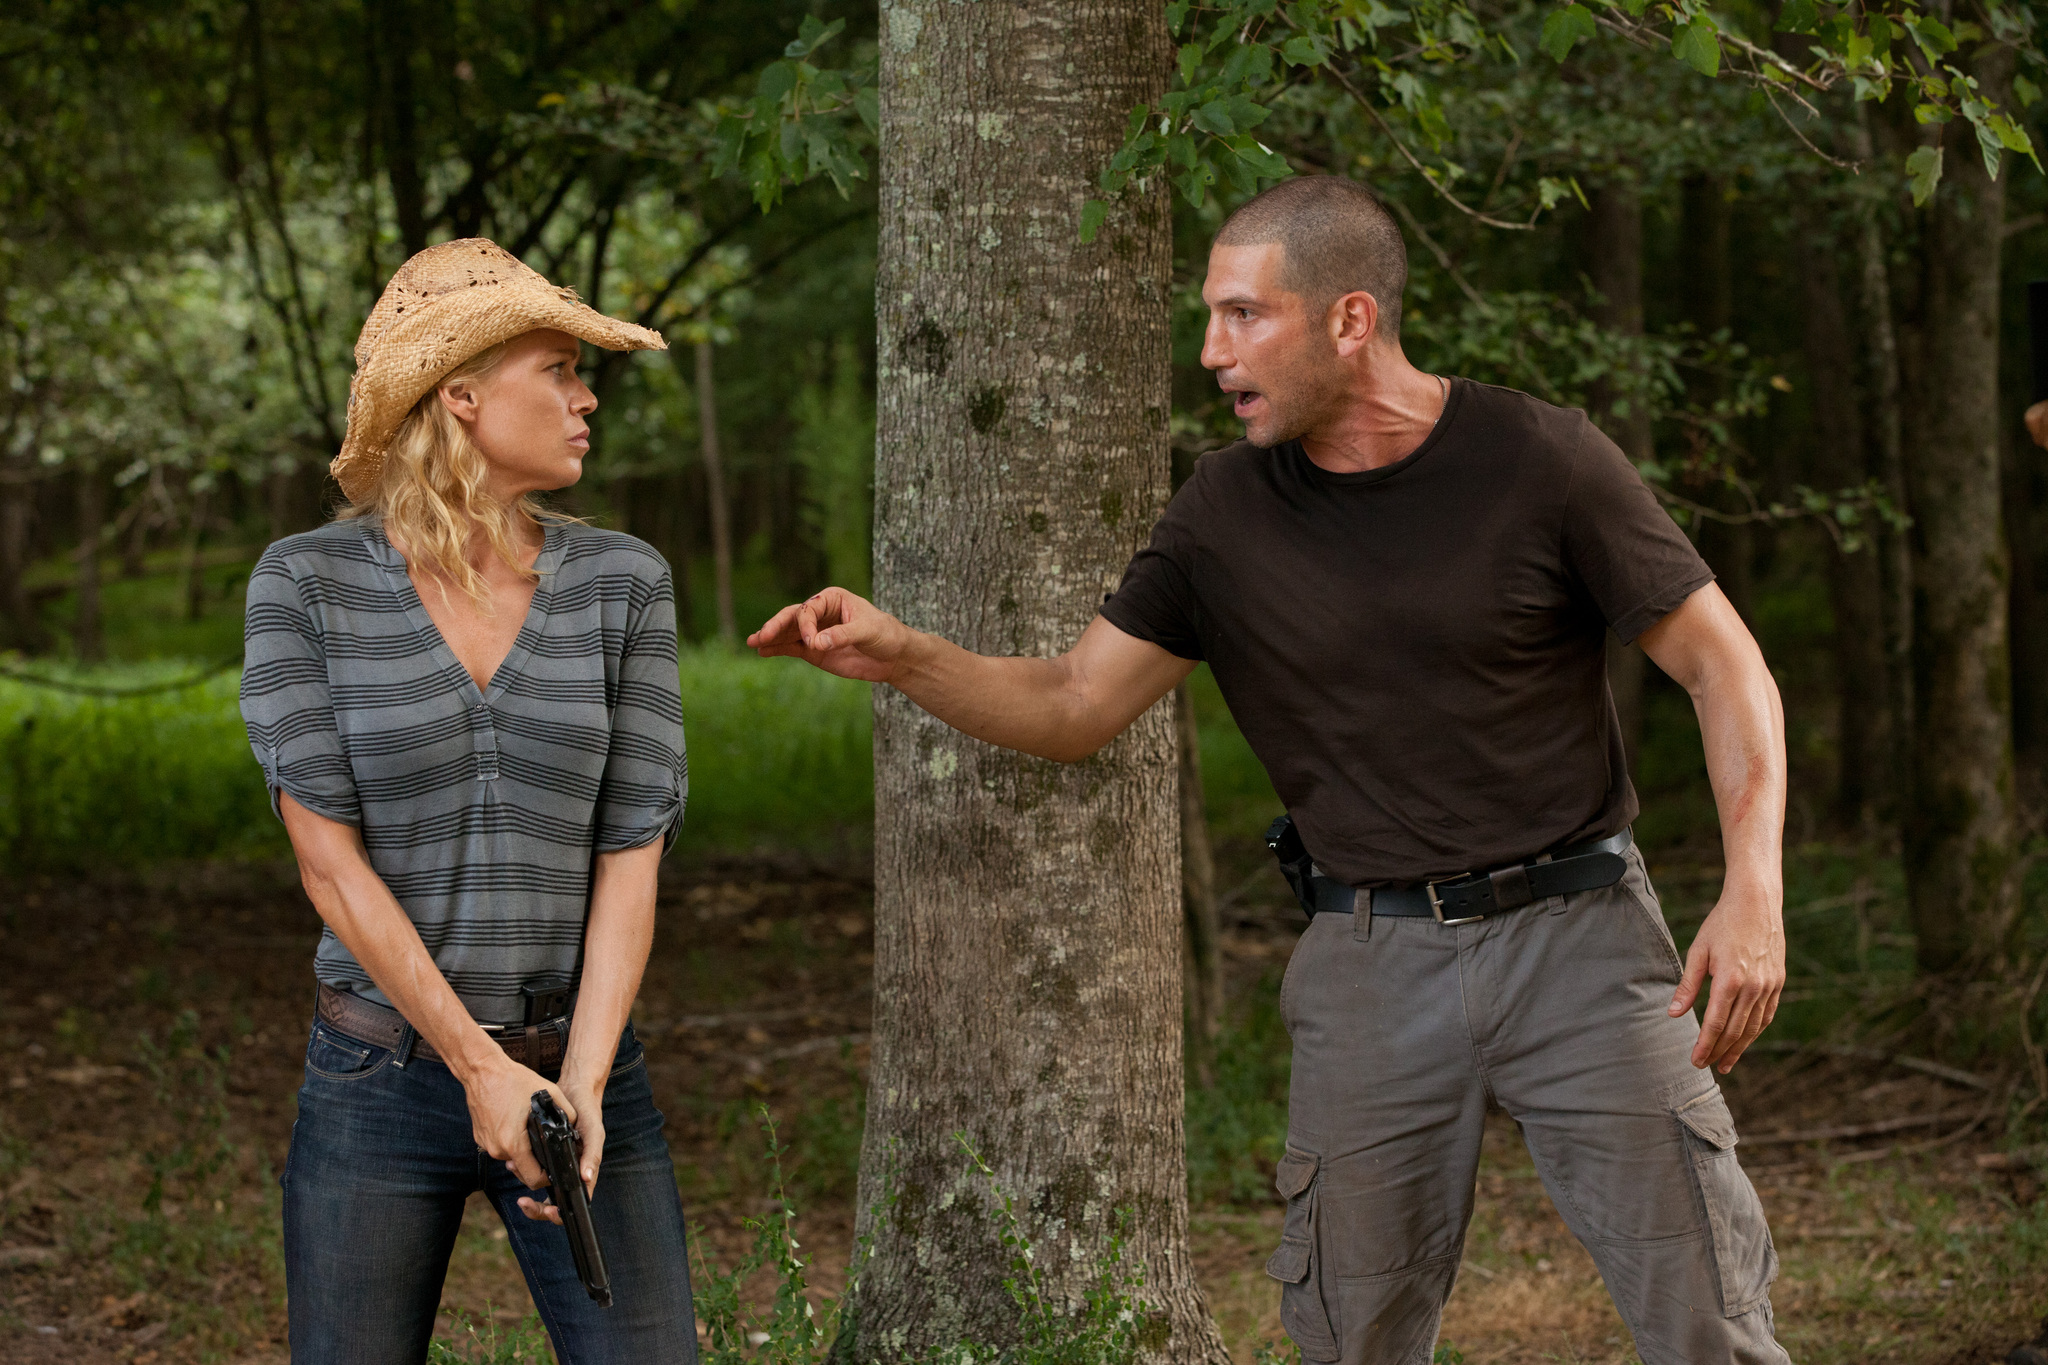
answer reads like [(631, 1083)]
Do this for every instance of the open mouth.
[(1245, 402)]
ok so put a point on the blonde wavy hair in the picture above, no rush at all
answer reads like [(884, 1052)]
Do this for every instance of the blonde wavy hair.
[(431, 495)]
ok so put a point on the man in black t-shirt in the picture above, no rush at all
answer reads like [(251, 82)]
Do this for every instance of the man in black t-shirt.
[(1403, 584)]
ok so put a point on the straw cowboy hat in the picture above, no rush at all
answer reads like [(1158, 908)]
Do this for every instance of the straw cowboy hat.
[(442, 307)]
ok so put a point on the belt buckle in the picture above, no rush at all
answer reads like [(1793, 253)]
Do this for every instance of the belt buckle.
[(1436, 905)]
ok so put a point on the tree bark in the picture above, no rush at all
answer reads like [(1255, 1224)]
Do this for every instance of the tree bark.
[(195, 565), (2028, 615), (401, 125), (714, 490), (1203, 985), (1614, 242), (1882, 388), (86, 640), (22, 630), (1855, 585), (1729, 548), (1960, 845), (1027, 940)]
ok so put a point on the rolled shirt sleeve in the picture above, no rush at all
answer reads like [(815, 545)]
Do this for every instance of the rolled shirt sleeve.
[(286, 703), (646, 779)]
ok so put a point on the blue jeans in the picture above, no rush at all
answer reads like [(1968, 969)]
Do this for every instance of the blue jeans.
[(382, 1161)]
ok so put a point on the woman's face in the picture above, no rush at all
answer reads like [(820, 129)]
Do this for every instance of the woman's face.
[(527, 415)]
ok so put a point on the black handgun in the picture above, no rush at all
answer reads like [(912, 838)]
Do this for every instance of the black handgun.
[(558, 1147), (1295, 863)]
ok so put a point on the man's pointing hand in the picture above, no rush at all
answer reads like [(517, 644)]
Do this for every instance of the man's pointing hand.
[(840, 633)]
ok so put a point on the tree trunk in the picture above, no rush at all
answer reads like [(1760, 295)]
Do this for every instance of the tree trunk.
[(1203, 984), (1729, 548), (714, 490), (1885, 457), (1960, 846), (195, 566), (17, 515), (1614, 242), (2029, 611), (1027, 939), (92, 515), (401, 125), (1855, 585)]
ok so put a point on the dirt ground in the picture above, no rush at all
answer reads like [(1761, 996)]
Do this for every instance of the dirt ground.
[(1897, 1246)]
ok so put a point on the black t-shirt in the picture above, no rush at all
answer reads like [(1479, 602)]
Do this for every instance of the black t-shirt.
[(1417, 652)]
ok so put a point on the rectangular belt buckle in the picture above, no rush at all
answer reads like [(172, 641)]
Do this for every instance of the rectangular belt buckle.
[(1436, 904)]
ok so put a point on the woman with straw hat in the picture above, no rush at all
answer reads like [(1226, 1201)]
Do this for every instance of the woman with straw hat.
[(467, 712)]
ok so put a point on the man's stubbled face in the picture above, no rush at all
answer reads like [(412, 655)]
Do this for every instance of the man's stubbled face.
[(1269, 349)]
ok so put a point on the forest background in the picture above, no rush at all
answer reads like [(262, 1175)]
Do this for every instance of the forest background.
[(1773, 311)]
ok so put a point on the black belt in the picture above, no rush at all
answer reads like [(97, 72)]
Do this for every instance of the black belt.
[(539, 1045), (1471, 896)]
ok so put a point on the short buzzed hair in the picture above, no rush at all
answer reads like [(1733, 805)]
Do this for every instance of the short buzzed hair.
[(1336, 238)]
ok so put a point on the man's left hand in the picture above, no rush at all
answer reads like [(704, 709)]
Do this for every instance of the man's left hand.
[(589, 1102), (1742, 947)]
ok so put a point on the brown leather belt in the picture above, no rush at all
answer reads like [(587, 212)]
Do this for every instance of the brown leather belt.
[(539, 1046)]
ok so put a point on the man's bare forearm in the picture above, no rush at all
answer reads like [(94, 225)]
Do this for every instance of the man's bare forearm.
[(1742, 726), (1063, 709), (1032, 705)]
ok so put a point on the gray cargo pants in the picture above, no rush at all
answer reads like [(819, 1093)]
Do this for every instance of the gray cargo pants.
[(1405, 1031)]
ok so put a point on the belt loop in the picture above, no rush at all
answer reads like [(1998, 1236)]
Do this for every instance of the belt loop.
[(400, 1055), (532, 1058), (1361, 916)]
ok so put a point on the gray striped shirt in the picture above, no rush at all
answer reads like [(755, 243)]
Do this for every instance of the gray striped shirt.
[(481, 811)]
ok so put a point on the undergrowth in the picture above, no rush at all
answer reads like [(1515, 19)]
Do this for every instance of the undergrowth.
[(1104, 1330), (525, 1343), (204, 1230)]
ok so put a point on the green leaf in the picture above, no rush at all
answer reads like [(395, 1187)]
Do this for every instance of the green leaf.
[(1564, 29), (1176, 15), (1798, 16), (2010, 134), (732, 142), (777, 80), (2025, 91), (1092, 214), (1923, 169), (1696, 45), (867, 102), (1931, 113), (1190, 62), (1214, 117), (1305, 49), (1934, 39)]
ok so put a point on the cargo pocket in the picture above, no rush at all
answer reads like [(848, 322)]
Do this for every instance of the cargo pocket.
[(1745, 1262), (1298, 1267)]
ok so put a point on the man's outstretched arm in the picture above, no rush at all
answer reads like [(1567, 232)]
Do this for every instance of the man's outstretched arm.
[(1705, 647), (1064, 708)]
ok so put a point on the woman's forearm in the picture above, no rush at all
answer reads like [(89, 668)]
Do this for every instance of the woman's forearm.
[(371, 924), (616, 942)]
